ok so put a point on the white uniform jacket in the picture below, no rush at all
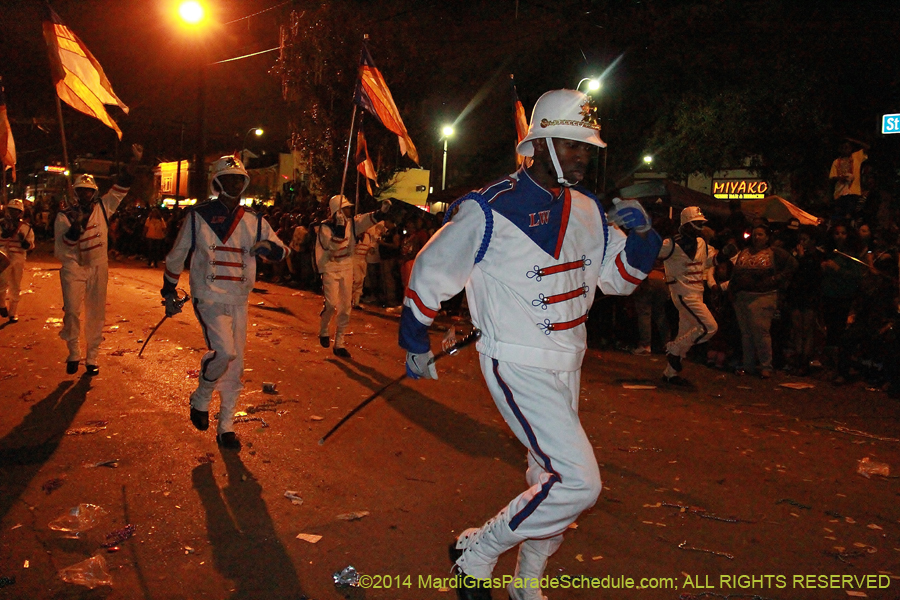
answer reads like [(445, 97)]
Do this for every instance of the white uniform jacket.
[(685, 274), (217, 243), (91, 248), (531, 292), (336, 254), (13, 245)]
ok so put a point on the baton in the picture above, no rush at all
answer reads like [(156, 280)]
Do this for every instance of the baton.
[(179, 302), (473, 336)]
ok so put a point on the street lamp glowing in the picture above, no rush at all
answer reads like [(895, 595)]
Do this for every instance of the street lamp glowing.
[(447, 130), (648, 159), (593, 83), (257, 131), (191, 12)]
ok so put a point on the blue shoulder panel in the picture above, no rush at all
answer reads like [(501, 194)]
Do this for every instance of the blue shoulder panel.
[(488, 220)]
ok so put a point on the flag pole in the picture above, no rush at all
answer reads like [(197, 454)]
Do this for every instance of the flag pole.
[(349, 143), (357, 192), (65, 149), (350, 137)]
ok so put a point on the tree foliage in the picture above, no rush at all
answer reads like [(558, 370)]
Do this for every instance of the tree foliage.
[(702, 85)]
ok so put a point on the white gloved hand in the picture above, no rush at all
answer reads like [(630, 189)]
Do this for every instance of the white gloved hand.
[(262, 248), (385, 206), (629, 214), (420, 366)]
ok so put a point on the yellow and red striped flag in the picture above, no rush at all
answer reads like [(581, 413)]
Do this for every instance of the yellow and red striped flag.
[(521, 121), (79, 78), (7, 145), (363, 162), (372, 94)]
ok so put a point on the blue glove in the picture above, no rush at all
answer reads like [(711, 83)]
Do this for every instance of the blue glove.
[(262, 248), (420, 366), (629, 214)]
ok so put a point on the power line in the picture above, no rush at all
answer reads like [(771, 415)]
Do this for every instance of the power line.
[(258, 13), (246, 56)]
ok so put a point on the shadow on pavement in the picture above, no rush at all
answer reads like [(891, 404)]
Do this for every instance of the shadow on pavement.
[(245, 546), (31, 443), (454, 428)]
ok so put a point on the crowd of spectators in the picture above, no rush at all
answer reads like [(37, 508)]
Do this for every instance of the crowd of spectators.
[(824, 303), (812, 300)]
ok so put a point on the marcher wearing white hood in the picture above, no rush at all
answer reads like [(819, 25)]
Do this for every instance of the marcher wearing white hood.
[(335, 246)]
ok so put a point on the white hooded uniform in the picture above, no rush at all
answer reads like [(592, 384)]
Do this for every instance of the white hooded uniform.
[(685, 276), (335, 259), (84, 274), (529, 292), (20, 241), (222, 272)]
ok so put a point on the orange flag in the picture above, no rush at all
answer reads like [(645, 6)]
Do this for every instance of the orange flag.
[(363, 162), (79, 78)]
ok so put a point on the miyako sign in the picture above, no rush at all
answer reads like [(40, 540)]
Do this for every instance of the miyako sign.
[(739, 189)]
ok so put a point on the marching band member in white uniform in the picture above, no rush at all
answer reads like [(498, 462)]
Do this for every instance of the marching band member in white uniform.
[(82, 245), (221, 239), (687, 258), (16, 238), (531, 250), (336, 243)]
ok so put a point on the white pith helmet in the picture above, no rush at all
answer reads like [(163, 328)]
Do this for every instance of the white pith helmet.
[(691, 214), (563, 114), (85, 180), (336, 203), (16, 203), (227, 165)]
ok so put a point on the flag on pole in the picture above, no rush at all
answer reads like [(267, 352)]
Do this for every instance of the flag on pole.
[(363, 162), (521, 120), (373, 95), (79, 78), (7, 145)]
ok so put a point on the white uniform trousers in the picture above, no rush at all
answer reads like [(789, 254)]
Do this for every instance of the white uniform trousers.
[(695, 326), (338, 288), (225, 331), (83, 286), (360, 268), (541, 408), (11, 283)]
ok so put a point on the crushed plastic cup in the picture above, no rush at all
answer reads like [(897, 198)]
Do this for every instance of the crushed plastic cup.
[(867, 468), (78, 519), (346, 577), (90, 573)]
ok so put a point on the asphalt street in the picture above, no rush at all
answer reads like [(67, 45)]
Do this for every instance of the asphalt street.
[(738, 488)]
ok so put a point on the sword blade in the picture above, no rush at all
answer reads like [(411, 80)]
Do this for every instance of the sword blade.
[(853, 258), (147, 339), (473, 336)]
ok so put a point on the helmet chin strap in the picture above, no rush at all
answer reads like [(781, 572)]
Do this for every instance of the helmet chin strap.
[(222, 191), (555, 159)]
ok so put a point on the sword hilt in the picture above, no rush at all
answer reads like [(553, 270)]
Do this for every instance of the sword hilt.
[(180, 300)]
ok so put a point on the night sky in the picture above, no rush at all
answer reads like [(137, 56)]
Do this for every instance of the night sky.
[(443, 59)]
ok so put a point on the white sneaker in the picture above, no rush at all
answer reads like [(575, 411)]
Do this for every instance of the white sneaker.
[(641, 351)]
